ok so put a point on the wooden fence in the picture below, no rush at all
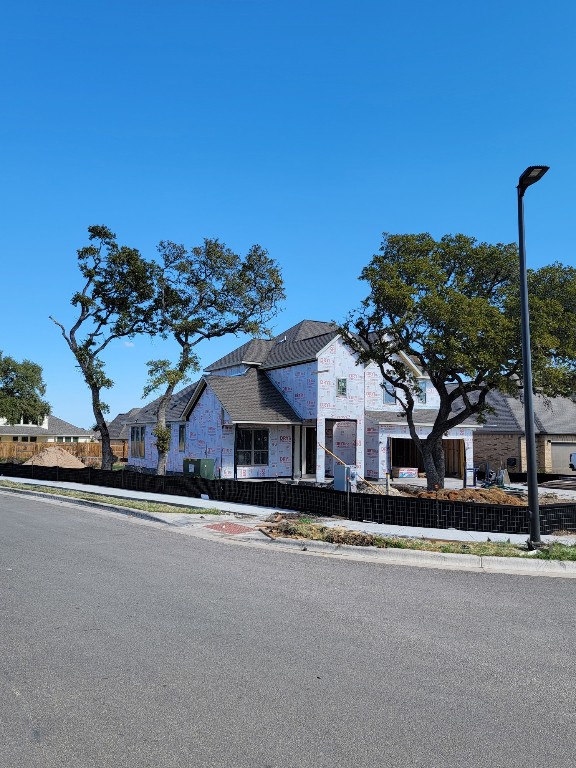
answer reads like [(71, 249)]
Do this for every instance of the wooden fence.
[(22, 451)]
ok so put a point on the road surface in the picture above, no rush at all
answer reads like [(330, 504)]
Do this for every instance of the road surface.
[(127, 645)]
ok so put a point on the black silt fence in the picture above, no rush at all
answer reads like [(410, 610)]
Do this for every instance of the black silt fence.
[(391, 510)]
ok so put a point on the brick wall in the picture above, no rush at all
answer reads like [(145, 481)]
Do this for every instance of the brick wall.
[(495, 449)]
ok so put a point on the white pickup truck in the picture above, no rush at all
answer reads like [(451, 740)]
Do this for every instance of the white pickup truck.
[(573, 462)]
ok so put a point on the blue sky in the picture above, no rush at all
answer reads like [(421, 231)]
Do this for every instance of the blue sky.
[(308, 127)]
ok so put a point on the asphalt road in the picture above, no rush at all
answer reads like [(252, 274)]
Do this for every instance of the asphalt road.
[(126, 645)]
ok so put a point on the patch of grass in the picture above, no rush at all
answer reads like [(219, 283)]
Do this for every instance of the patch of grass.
[(144, 506), (302, 529), (557, 552)]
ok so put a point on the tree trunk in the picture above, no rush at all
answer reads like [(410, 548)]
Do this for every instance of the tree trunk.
[(433, 459), (107, 455), (161, 431), (439, 461)]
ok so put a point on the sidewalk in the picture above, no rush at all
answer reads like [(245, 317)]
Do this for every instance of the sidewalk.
[(258, 514)]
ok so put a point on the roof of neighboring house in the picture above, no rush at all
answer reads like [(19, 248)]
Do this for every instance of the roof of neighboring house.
[(117, 427), (552, 416), (299, 344), (56, 428), (251, 398), (179, 400)]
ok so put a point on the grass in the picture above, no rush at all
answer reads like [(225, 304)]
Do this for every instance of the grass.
[(144, 506), (304, 528)]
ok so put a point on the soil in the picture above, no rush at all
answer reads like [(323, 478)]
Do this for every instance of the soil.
[(491, 496), (55, 457)]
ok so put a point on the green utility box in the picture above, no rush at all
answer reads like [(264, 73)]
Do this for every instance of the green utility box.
[(207, 469), (200, 468)]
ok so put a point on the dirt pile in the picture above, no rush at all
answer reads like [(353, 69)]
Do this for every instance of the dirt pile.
[(53, 456), (485, 495), (367, 487)]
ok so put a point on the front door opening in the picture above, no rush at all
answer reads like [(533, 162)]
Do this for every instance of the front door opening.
[(310, 450)]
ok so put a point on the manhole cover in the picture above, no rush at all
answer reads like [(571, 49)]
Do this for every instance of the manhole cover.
[(229, 528)]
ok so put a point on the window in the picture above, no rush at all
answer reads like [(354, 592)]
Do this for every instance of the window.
[(137, 442), (421, 396), (33, 439), (389, 397), (341, 387), (252, 447), (181, 436)]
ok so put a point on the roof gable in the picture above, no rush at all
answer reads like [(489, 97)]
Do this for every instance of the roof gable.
[(251, 398)]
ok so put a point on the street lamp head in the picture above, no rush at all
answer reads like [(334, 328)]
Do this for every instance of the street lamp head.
[(531, 175)]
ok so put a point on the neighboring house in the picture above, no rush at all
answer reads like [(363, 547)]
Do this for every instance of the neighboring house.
[(51, 430), (501, 441), (118, 431), (283, 407)]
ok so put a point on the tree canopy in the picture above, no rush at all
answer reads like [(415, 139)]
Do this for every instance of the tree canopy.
[(452, 305), (203, 293), (22, 390), (115, 301)]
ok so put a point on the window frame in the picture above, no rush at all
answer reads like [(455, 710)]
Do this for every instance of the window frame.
[(387, 398), (181, 437), (137, 441), (256, 447), (421, 396), (342, 387)]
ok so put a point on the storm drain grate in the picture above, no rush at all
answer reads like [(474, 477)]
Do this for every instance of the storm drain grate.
[(229, 528)]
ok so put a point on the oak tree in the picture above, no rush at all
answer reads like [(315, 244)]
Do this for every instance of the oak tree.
[(116, 301), (22, 391), (205, 293), (452, 305)]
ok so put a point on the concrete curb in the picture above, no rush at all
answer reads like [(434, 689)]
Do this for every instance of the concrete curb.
[(128, 511), (444, 560)]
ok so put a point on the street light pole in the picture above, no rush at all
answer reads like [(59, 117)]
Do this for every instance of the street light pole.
[(530, 176)]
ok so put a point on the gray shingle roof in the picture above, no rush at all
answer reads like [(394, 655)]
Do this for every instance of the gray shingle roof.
[(147, 414), (117, 427), (56, 428), (552, 416), (254, 351), (298, 344), (252, 398), (422, 416)]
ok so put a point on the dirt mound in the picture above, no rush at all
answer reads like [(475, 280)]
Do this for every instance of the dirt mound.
[(55, 457), (486, 495), (368, 487)]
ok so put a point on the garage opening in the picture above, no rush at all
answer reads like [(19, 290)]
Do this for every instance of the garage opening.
[(561, 458), (404, 454)]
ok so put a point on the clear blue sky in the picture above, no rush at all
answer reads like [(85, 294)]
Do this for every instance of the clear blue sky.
[(308, 127)]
